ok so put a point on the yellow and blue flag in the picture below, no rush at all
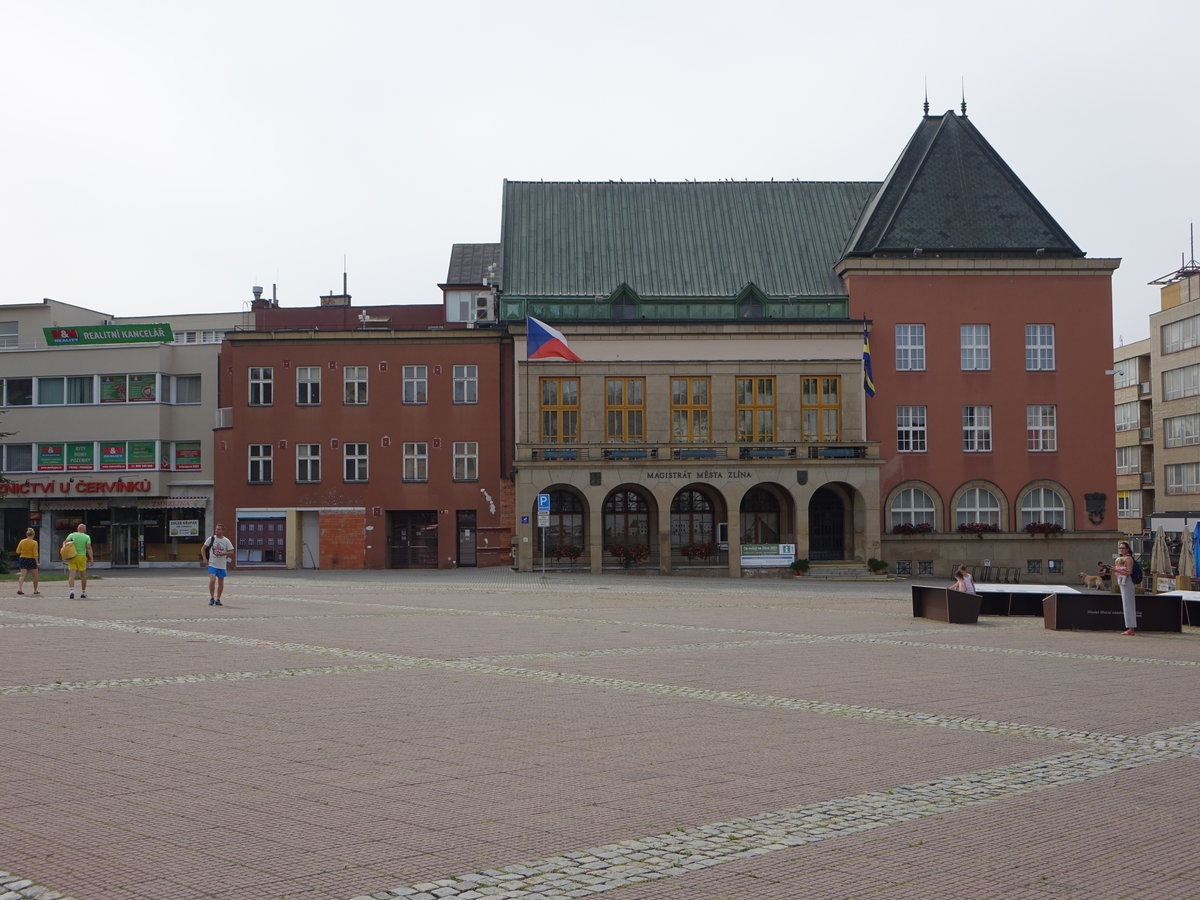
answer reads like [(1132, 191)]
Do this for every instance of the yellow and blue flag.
[(868, 378)]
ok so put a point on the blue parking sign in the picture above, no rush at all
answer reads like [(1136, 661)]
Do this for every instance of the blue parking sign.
[(543, 503)]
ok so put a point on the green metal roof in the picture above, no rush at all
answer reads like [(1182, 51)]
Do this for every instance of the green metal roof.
[(677, 239)]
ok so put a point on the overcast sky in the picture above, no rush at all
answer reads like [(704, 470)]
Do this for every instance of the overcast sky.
[(169, 155)]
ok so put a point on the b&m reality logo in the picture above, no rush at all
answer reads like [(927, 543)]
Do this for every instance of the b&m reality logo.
[(65, 335)]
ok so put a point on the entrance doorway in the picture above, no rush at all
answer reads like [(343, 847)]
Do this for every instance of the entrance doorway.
[(413, 538), (466, 537), (123, 545), (826, 526)]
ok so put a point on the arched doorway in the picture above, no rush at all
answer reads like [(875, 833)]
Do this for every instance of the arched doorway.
[(694, 527), (826, 525), (627, 528), (566, 535), (762, 519)]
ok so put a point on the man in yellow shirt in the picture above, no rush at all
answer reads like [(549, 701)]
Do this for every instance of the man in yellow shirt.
[(27, 561)]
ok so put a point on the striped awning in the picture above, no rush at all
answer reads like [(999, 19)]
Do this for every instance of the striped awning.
[(175, 503)]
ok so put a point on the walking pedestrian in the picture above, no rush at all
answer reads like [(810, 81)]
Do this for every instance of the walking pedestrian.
[(27, 561), (80, 561), (217, 554)]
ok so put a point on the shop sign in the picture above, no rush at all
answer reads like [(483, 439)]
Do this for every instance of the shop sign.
[(81, 457), (50, 457), (69, 486), (765, 555), (112, 456), (85, 335), (112, 388), (187, 455), (183, 528)]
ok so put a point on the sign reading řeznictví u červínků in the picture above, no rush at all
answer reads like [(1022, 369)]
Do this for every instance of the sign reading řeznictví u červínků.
[(150, 332)]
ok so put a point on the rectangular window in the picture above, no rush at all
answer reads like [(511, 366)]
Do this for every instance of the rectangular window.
[(911, 434), (308, 385), (1128, 416), (1129, 460), (416, 461), (1182, 431), (625, 410), (17, 457), (910, 348), (354, 379), (1129, 504), (756, 409), (81, 389), (1127, 372), (1183, 478), (560, 410), (308, 462), (690, 410), (821, 408), (1039, 348), (143, 387), (1184, 382), (262, 381), (51, 391), (355, 458), (17, 391), (466, 461), (466, 384), (187, 388), (976, 347), (8, 334), (1181, 335), (416, 384), (260, 464), (1040, 430), (977, 429)]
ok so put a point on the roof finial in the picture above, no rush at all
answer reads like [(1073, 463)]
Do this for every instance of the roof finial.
[(926, 95), (964, 97)]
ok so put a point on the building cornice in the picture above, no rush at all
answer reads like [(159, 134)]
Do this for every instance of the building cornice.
[(974, 266)]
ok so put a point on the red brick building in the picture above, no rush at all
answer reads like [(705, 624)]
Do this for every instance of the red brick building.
[(364, 438)]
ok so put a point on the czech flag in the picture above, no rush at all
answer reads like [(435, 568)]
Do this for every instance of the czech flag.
[(544, 342), (868, 378)]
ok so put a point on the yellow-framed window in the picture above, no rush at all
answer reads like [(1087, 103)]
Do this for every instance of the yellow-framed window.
[(821, 407), (625, 410), (560, 410), (691, 409), (756, 408)]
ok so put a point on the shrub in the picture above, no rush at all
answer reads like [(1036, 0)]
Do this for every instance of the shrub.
[(700, 550), (629, 554)]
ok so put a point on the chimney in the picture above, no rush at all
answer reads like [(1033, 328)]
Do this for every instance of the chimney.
[(258, 302)]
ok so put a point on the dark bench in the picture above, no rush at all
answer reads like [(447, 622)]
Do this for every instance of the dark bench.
[(945, 605), (1102, 612)]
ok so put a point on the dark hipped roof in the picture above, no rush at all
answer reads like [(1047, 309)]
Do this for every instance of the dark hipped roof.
[(677, 239), (950, 192), (469, 263)]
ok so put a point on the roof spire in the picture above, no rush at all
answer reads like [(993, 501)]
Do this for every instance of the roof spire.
[(926, 95), (964, 97)]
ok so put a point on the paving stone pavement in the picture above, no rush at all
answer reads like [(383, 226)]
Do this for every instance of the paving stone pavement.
[(491, 734)]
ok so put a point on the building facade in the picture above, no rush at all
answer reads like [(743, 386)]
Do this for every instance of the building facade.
[(109, 423), (365, 438)]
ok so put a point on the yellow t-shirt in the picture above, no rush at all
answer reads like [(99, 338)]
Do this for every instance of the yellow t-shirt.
[(27, 549)]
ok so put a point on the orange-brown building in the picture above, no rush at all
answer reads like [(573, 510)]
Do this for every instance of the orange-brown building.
[(364, 438)]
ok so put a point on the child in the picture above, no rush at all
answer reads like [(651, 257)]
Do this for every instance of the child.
[(963, 581)]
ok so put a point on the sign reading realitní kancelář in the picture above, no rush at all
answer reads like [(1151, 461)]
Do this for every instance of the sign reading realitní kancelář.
[(151, 332)]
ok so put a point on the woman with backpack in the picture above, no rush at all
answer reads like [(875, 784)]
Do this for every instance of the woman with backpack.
[(1123, 569)]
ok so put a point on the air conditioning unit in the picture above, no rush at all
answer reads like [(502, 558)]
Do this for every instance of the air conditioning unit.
[(485, 307)]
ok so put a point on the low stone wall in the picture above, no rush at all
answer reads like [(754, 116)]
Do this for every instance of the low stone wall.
[(940, 554)]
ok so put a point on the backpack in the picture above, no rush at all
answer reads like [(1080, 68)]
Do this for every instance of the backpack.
[(1135, 574), (207, 546)]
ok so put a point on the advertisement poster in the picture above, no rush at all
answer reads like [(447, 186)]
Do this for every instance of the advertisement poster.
[(50, 457), (187, 455), (112, 388), (81, 457), (142, 455), (768, 555), (184, 528), (112, 456), (142, 387)]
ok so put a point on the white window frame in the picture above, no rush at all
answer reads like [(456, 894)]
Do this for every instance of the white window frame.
[(1129, 504), (1182, 431), (415, 385), (912, 435), (466, 460), (1126, 373), (975, 347), (1181, 335), (354, 385), (1181, 382), (308, 387), (1128, 416), (14, 454), (466, 384), (1046, 504), (308, 463), (259, 463), (10, 334), (1129, 460), (355, 462), (180, 385), (977, 429), (913, 506), (977, 504), (416, 461), (262, 386), (1039, 348), (1041, 428), (1183, 478), (910, 348)]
